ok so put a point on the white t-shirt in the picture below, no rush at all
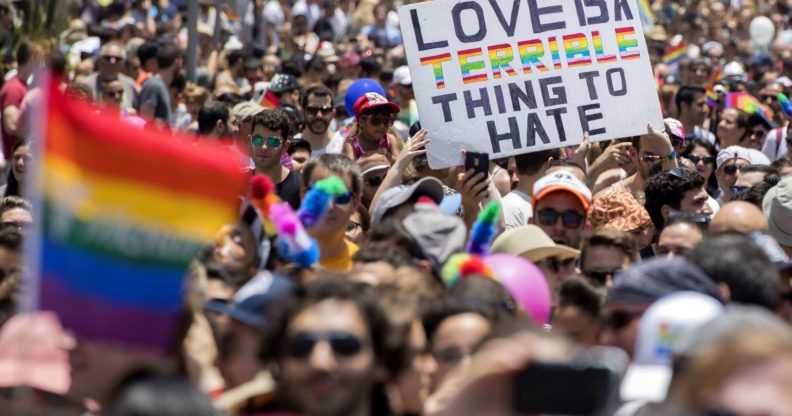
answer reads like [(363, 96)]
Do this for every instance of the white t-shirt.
[(273, 14), (313, 12), (335, 146), (774, 148), (517, 209)]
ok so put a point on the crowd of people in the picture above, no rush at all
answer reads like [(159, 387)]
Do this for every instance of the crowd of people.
[(662, 260)]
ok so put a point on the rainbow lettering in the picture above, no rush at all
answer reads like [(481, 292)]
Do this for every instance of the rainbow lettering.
[(601, 57), (501, 57), (467, 67), (530, 51), (625, 44), (436, 62), (554, 52), (577, 51)]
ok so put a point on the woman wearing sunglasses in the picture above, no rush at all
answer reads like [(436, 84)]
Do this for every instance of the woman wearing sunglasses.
[(375, 116), (703, 156)]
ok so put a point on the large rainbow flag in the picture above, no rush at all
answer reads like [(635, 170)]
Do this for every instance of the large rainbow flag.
[(121, 212), (748, 103)]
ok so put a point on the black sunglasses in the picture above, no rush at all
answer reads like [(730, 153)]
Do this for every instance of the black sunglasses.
[(314, 110), (375, 181), (343, 344), (732, 169), (708, 160), (549, 217), (377, 121), (600, 277), (619, 319), (768, 97)]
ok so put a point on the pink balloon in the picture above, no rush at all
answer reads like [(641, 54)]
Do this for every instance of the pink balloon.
[(525, 282)]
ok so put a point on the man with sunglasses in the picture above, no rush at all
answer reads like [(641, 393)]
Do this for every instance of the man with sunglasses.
[(268, 140), (560, 204), (317, 105), (110, 65), (729, 163), (375, 116), (334, 350), (330, 233)]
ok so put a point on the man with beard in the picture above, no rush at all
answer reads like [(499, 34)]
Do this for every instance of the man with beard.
[(317, 105), (335, 350), (269, 138)]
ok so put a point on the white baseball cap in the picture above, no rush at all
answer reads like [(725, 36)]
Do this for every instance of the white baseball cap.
[(402, 76), (662, 329)]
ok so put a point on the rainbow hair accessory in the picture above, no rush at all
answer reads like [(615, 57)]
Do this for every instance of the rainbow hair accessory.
[(317, 200), (785, 104), (294, 243), (263, 197), (484, 230), (461, 265)]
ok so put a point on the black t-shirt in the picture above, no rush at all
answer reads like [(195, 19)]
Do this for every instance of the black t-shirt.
[(289, 189)]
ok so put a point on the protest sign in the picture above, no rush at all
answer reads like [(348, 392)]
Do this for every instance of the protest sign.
[(507, 77)]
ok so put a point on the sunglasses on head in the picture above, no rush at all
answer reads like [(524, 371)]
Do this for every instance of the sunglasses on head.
[(732, 169), (707, 160), (272, 141), (314, 110), (549, 217), (378, 121), (343, 344)]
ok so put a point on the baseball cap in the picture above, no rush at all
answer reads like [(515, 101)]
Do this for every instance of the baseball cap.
[(646, 282), (373, 163), (618, 210), (398, 195), (732, 152), (531, 243), (660, 333), (251, 301), (438, 235), (675, 128), (561, 181), (283, 83), (777, 207), (402, 76), (373, 100)]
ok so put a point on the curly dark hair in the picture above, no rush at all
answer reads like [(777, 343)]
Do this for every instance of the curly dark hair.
[(275, 120), (669, 188)]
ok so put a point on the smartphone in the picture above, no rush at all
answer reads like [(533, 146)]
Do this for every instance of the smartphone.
[(478, 162), (586, 385)]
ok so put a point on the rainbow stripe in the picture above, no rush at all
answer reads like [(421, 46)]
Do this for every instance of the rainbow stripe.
[(436, 62), (269, 100), (601, 57), (501, 57), (554, 52), (674, 54), (625, 44), (468, 67), (123, 215), (576, 45), (747, 103), (647, 14), (712, 98), (785, 104), (530, 52)]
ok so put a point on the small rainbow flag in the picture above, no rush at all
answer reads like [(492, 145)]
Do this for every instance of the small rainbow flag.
[(712, 98), (674, 54), (647, 14), (269, 100), (748, 103), (122, 215)]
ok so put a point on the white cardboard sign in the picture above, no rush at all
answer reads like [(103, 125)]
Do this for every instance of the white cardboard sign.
[(507, 77)]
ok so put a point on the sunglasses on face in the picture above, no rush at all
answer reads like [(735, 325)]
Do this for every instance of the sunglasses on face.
[(378, 121), (314, 110), (549, 217), (732, 169), (14, 225), (758, 133), (114, 94), (375, 181), (707, 160), (600, 277), (343, 344), (619, 319), (272, 141), (650, 158), (769, 97)]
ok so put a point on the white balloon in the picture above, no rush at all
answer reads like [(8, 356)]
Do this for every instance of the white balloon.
[(762, 30)]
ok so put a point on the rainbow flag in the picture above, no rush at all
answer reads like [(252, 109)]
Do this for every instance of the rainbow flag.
[(269, 100), (122, 215), (647, 14), (712, 98), (674, 54), (748, 103)]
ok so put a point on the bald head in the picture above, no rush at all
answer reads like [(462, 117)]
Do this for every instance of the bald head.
[(740, 216)]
